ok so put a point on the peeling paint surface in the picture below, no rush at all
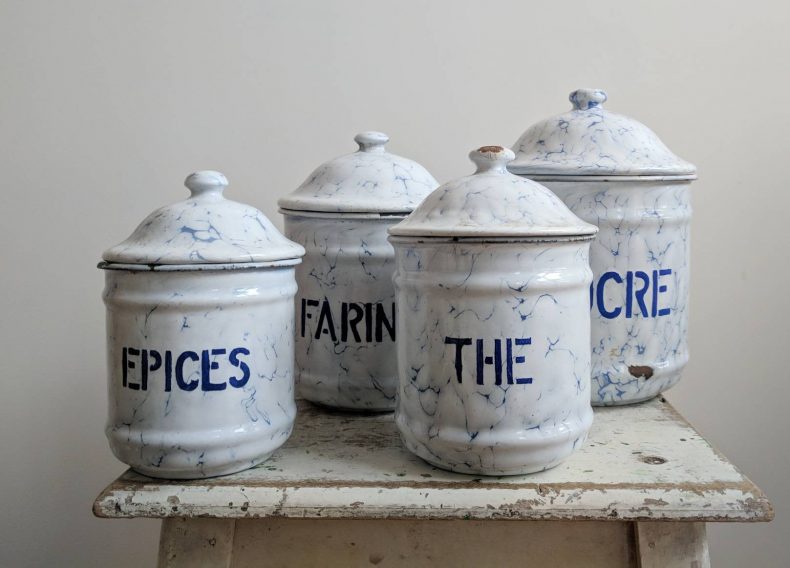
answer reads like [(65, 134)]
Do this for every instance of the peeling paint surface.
[(343, 465)]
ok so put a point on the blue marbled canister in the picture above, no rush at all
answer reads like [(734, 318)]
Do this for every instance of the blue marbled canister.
[(346, 330), (200, 325), (494, 352), (614, 172)]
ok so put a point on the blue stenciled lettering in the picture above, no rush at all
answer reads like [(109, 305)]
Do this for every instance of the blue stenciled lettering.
[(497, 361), (359, 322), (236, 362), (208, 364), (139, 369), (600, 295), (639, 288), (180, 362)]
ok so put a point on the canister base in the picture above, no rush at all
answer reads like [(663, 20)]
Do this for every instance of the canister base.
[(498, 459), (462, 468), (627, 389), (205, 472), (196, 456)]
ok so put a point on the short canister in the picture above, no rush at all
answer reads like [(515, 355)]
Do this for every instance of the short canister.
[(345, 325), (200, 320), (492, 287), (614, 172)]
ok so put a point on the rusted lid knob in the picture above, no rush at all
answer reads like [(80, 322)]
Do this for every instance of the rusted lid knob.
[(584, 99), (371, 141), (206, 182), (491, 158)]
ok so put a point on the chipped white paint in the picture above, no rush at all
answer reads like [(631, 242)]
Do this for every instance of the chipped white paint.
[(641, 462), (200, 337)]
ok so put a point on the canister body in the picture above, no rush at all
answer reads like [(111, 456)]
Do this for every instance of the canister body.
[(640, 291), (200, 367), (345, 325), (493, 354)]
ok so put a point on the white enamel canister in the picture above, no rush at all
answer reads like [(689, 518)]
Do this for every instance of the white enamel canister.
[(492, 288), (614, 172), (345, 324), (200, 320)]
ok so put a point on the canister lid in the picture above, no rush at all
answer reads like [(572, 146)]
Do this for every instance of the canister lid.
[(492, 202), (205, 228), (370, 180), (591, 141)]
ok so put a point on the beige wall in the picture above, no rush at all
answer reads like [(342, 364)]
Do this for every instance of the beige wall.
[(106, 106)]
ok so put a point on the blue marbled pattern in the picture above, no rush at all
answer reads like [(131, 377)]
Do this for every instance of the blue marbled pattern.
[(644, 227), (348, 261), (200, 324), (370, 180), (191, 434), (590, 140), (345, 308), (614, 172), (493, 354), (493, 291), (206, 228)]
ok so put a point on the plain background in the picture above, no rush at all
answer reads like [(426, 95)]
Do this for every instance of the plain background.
[(105, 107)]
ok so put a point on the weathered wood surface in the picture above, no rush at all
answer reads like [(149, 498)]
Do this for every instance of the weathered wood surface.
[(642, 462)]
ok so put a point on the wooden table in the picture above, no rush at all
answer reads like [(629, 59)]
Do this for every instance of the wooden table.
[(343, 492)]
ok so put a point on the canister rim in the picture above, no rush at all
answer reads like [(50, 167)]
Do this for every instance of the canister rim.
[(609, 177), (206, 267), (439, 239), (342, 214)]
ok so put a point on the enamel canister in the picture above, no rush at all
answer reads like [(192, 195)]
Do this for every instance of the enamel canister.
[(200, 319), (345, 325), (614, 172), (492, 287)]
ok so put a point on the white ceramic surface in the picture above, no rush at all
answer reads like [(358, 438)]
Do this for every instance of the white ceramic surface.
[(590, 140), (345, 336), (494, 354), (614, 172), (640, 292), (200, 355), (370, 180), (205, 228)]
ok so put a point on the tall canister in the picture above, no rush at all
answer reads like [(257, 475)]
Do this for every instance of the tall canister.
[(200, 319), (614, 172), (345, 332), (494, 352)]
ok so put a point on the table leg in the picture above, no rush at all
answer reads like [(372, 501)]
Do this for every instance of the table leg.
[(196, 543), (672, 545)]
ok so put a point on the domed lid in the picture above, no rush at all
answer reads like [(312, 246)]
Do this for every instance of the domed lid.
[(205, 228), (371, 180), (591, 141), (492, 203)]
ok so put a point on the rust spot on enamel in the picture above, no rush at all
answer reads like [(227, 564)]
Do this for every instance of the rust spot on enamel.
[(490, 149), (640, 371)]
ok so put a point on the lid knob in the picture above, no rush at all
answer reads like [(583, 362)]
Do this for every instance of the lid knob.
[(585, 99), (371, 141), (206, 182), (491, 158)]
